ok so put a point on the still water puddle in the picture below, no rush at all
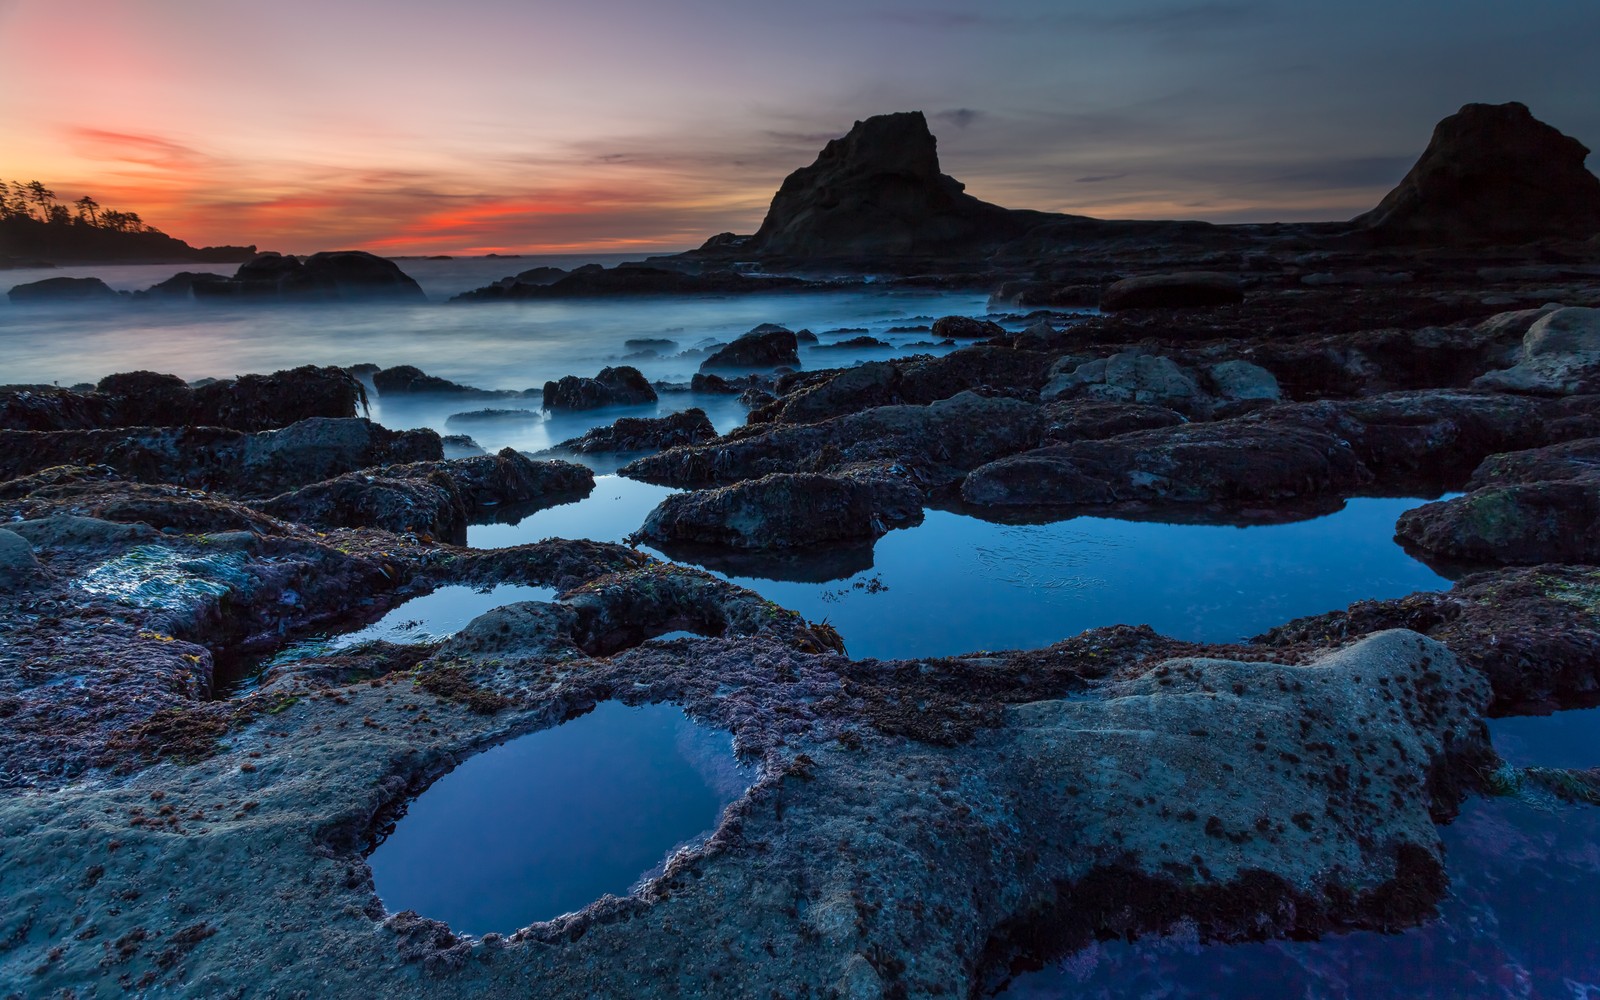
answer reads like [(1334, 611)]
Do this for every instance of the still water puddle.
[(1519, 920), (549, 822), (956, 584), (1561, 739), (431, 617)]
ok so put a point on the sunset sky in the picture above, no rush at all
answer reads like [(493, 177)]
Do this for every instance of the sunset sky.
[(498, 125)]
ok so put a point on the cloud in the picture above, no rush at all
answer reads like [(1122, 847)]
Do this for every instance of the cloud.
[(959, 117), (133, 147)]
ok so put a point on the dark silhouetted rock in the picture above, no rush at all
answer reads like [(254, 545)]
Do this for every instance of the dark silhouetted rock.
[(180, 285), (619, 386), (541, 275), (407, 380), (857, 344), (1184, 290), (63, 290), (878, 192), (632, 280), (659, 345), (965, 328), (48, 408), (495, 416), (644, 434), (760, 348), (246, 403), (460, 446), (327, 276), (1491, 172), (779, 511)]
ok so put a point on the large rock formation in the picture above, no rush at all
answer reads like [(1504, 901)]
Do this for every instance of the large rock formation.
[(327, 276), (878, 191), (1491, 171)]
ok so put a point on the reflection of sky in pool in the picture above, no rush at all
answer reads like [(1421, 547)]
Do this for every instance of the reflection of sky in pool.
[(957, 584), (1562, 739), (551, 821)]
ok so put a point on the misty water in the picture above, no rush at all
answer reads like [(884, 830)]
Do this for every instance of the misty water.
[(952, 584), (549, 822)]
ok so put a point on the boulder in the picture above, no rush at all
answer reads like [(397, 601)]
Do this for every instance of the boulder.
[(1184, 290), (495, 417), (408, 380), (1088, 420), (1491, 172), (460, 446), (17, 562), (878, 192), (965, 328), (779, 511), (939, 442), (327, 276), (180, 285), (48, 408), (690, 426), (1242, 380), (1512, 524), (1560, 356), (619, 386), (62, 290), (1130, 377), (429, 505), (760, 348), (541, 275), (857, 344), (1228, 462), (246, 403)]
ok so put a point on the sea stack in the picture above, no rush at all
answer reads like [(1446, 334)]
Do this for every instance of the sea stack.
[(1492, 172), (878, 192)]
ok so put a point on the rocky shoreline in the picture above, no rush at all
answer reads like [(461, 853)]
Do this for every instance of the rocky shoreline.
[(918, 827)]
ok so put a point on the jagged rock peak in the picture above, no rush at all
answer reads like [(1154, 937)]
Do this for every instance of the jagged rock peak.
[(1492, 171), (878, 190)]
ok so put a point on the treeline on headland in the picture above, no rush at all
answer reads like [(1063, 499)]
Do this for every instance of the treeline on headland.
[(36, 229)]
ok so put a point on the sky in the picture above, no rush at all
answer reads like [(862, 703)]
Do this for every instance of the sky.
[(480, 126)]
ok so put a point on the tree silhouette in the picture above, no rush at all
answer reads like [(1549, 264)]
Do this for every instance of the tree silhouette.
[(43, 197), (88, 206)]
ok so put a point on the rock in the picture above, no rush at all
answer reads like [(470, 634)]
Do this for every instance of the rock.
[(1515, 323), (460, 446), (619, 386), (1130, 377), (429, 506), (757, 349), (17, 563), (916, 380), (965, 328), (1088, 420), (1230, 462), (247, 403), (1346, 279), (1240, 380), (712, 385), (495, 416), (47, 408), (505, 479), (938, 442), (1513, 524), (1579, 459), (407, 380), (318, 449), (63, 290), (1491, 172), (690, 426), (328, 276), (779, 511), (1560, 355), (634, 280), (878, 192), (541, 275), (657, 345), (180, 285), (1184, 290), (856, 344)]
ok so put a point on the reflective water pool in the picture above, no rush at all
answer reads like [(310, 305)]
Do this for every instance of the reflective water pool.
[(1561, 739), (432, 617), (549, 822), (1519, 920)]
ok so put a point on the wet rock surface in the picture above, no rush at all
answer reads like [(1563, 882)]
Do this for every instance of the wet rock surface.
[(618, 386), (685, 427), (62, 290), (760, 348), (778, 511), (327, 276)]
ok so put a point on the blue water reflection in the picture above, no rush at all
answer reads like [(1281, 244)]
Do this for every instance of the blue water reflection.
[(550, 822)]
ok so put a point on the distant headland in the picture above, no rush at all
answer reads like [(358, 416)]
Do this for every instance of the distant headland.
[(37, 230)]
